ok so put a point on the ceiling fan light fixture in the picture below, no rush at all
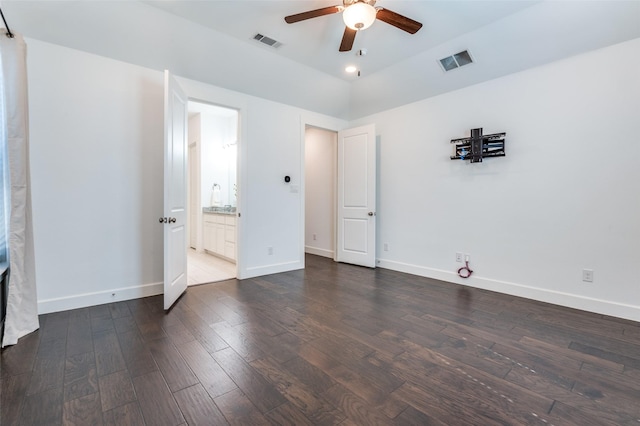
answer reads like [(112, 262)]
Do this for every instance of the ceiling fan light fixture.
[(359, 16)]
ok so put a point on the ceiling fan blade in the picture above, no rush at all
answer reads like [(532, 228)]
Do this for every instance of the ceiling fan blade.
[(398, 21), (313, 14), (347, 39)]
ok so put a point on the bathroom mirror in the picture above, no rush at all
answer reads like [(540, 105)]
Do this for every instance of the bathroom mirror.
[(217, 131)]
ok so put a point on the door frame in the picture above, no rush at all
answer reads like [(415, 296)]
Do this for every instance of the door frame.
[(240, 179), (304, 193), (195, 187), (332, 125)]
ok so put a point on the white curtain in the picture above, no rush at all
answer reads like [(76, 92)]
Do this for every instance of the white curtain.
[(22, 307)]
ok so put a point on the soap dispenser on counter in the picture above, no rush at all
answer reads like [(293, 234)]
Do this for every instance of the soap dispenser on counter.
[(216, 200)]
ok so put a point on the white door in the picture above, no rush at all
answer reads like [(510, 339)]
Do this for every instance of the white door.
[(357, 196), (194, 173), (175, 190)]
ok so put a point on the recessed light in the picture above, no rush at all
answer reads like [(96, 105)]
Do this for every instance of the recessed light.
[(351, 69)]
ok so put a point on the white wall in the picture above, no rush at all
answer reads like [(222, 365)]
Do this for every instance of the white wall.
[(320, 154), (96, 156), (564, 198), (270, 140), (96, 162)]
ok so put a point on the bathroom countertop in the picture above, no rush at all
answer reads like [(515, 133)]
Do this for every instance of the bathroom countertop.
[(219, 210)]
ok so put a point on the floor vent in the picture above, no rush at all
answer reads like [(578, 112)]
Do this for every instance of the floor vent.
[(456, 61), (267, 40)]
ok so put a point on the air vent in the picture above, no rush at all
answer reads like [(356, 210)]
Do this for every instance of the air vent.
[(267, 40), (456, 61)]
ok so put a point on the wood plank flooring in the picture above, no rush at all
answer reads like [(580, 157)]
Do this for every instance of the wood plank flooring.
[(333, 344)]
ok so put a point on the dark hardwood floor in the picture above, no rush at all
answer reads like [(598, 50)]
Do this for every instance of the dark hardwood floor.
[(333, 344)]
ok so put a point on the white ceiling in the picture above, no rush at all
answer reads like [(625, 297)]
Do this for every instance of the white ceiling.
[(315, 42), (211, 41)]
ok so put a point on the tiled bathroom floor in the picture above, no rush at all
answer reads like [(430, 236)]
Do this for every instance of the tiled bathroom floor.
[(205, 268)]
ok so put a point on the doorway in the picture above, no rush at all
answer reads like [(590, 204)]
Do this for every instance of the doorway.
[(321, 153), (212, 193), (340, 194)]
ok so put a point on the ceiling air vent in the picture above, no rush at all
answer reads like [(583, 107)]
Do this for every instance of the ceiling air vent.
[(267, 40), (456, 61)]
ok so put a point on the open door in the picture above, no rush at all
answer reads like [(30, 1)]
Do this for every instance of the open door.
[(175, 190), (357, 196)]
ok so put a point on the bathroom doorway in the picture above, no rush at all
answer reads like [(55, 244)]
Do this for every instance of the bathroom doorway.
[(212, 193)]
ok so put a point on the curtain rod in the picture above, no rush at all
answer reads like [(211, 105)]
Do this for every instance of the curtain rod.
[(8, 33)]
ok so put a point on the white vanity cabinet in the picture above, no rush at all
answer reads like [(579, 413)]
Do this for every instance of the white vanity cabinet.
[(220, 235)]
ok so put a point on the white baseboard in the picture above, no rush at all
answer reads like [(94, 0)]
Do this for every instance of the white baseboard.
[(275, 268), (98, 298), (605, 307), (319, 251), (614, 309)]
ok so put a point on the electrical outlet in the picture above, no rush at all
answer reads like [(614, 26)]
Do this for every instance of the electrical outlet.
[(587, 275), (315, 237), (467, 258), (269, 251), (386, 246), (458, 257)]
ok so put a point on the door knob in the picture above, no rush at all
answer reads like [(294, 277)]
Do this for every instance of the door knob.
[(371, 213), (163, 220), (172, 220)]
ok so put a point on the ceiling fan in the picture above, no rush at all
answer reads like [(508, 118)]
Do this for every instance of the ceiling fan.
[(358, 15)]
